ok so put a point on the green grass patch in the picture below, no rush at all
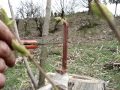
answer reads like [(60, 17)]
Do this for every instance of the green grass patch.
[(84, 59)]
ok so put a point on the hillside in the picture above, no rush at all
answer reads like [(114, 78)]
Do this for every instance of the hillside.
[(91, 45), (81, 26)]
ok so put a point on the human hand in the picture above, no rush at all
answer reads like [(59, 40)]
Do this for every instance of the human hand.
[(7, 58)]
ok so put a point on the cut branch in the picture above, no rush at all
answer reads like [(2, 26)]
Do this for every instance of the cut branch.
[(13, 17), (17, 36), (30, 57)]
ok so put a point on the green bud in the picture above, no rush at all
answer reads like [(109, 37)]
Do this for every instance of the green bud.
[(58, 18), (4, 17), (20, 48)]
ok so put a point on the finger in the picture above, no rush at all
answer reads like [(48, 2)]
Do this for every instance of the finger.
[(2, 65), (2, 80), (5, 34), (7, 54), (10, 60)]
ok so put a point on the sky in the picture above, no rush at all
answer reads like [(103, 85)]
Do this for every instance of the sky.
[(16, 4)]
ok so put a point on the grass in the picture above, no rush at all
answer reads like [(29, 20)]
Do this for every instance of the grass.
[(17, 78), (84, 59), (91, 59), (14, 77)]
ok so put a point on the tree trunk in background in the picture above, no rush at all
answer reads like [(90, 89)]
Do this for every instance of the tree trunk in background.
[(39, 25), (25, 25), (116, 8), (17, 22), (44, 52), (89, 7)]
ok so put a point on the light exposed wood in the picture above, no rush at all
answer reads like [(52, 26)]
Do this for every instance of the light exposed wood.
[(85, 83), (78, 82)]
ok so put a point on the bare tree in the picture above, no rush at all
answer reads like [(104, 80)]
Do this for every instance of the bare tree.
[(65, 6), (24, 13), (62, 8), (86, 4), (89, 6), (116, 2), (17, 19), (44, 52), (29, 10)]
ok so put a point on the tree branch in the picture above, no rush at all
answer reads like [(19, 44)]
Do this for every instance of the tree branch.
[(17, 35), (110, 23)]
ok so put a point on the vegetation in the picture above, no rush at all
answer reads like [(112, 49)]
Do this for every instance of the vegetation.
[(84, 59), (90, 46), (87, 55)]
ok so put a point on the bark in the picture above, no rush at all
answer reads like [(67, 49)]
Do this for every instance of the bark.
[(89, 7), (25, 25), (44, 52), (39, 25), (116, 8), (17, 22), (13, 17)]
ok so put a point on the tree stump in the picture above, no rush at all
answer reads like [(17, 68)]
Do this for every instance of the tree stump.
[(78, 82), (85, 83)]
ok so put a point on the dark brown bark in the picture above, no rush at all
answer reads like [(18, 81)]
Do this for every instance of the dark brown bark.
[(89, 6), (39, 25)]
